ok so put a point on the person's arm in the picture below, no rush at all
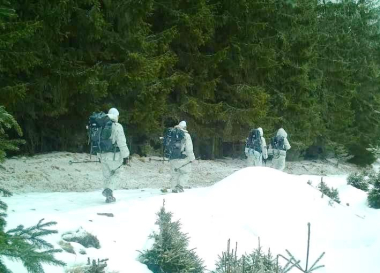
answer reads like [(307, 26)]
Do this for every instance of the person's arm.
[(286, 144), (189, 148), (264, 148), (121, 141)]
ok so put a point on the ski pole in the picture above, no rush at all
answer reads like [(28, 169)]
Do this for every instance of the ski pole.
[(152, 159), (84, 161), (176, 169)]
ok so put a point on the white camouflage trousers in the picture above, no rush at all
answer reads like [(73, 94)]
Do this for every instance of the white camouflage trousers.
[(182, 175), (254, 158), (278, 161), (111, 173)]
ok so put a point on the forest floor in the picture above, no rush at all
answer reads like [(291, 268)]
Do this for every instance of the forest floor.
[(53, 172)]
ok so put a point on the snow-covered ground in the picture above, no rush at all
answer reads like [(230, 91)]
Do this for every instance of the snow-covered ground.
[(247, 204)]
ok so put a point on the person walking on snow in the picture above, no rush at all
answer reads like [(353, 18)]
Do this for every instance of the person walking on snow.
[(278, 147), (256, 150), (112, 161), (181, 168)]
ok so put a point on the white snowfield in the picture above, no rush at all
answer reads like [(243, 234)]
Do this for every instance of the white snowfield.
[(251, 203)]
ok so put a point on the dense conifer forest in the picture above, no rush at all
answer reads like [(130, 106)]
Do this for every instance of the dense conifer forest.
[(224, 66)]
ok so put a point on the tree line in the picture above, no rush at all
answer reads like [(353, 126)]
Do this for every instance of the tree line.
[(224, 66)]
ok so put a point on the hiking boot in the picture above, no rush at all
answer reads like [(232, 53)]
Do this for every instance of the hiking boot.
[(178, 188), (107, 192), (110, 199)]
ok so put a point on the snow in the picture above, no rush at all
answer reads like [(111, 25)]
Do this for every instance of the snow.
[(250, 203)]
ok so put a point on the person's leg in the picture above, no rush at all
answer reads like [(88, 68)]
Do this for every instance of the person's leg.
[(257, 159), (275, 162), (175, 174), (281, 162), (184, 177), (110, 168), (250, 160)]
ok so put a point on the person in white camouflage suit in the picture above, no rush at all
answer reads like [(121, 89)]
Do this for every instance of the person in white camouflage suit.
[(279, 153), (112, 161), (255, 158), (181, 168)]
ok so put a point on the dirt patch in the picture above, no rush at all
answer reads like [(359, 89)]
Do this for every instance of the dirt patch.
[(53, 172)]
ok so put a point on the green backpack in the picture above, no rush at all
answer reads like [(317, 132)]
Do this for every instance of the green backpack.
[(100, 131)]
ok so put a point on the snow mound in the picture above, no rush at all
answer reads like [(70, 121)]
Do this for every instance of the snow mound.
[(251, 203)]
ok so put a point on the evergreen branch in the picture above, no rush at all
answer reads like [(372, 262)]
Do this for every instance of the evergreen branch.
[(3, 268), (320, 257), (5, 192), (3, 206)]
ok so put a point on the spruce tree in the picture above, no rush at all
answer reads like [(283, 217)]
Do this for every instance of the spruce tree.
[(170, 253), (349, 62), (8, 122), (373, 198), (255, 262)]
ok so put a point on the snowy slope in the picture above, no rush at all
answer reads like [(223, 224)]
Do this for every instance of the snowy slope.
[(252, 202)]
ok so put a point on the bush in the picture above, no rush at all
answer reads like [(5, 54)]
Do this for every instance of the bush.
[(255, 262), (91, 267), (82, 237), (330, 192), (169, 252), (374, 194), (358, 181)]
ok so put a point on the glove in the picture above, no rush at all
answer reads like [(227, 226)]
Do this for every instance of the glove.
[(125, 160)]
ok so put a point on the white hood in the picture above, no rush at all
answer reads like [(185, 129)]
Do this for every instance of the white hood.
[(261, 131), (281, 132), (113, 117)]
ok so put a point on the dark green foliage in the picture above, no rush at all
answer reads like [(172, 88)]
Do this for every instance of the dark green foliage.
[(330, 192), (374, 194), (358, 181), (170, 253), (306, 65), (26, 245), (8, 122)]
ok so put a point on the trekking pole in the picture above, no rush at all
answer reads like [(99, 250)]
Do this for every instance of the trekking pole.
[(176, 169), (84, 161), (114, 171), (152, 159)]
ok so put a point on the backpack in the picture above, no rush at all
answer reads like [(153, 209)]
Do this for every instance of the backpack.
[(99, 134), (254, 140), (174, 139), (277, 142)]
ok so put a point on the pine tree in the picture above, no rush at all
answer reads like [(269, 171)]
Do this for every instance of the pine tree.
[(255, 262), (373, 198), (8, 122), (170, 252), (330, 192), (26, 245)]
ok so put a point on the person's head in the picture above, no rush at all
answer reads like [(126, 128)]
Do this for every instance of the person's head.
[(113, 113), (182, 125), (261, 131), (281, 132)]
